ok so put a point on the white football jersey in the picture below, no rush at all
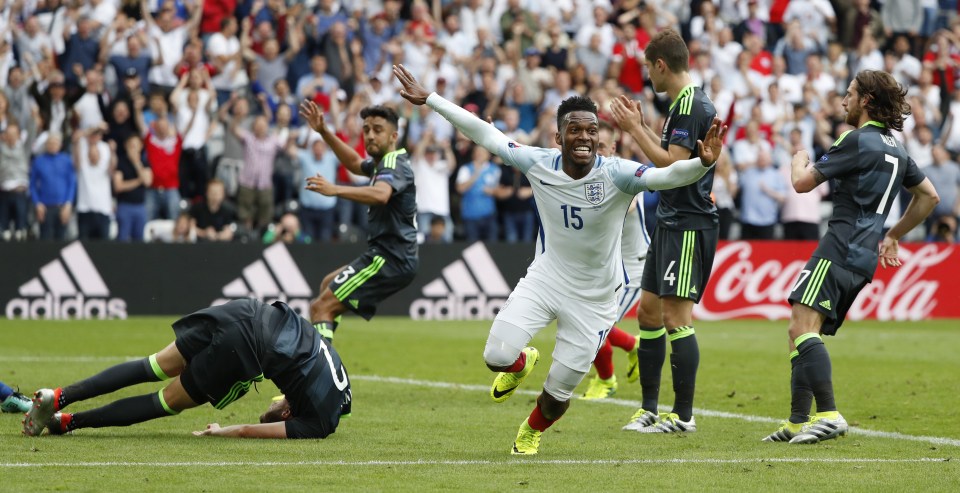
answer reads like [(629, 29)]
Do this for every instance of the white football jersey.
[(581, 221)]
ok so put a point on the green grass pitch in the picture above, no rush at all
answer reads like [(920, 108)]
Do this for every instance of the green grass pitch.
[(423, 420)]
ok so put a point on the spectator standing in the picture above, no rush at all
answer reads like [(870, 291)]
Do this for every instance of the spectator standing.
[(944, 173), (763, 190), (14, 182), (163, 148), (53, 187), (800, 213), (130, 182), (725, 188), (170, 40), (81, 52), (516, 205), (91, 107), (433, 162), (255, 195), (224, 52), (194, 101), (95, 162), (477, 183), (317, 211)]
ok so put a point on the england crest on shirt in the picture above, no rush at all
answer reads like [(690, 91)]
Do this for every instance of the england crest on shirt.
[(594, 192)]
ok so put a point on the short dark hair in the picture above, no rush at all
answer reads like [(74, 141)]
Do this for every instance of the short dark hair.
[(575, 103), (667, 45), (886, 98), (384, 112)]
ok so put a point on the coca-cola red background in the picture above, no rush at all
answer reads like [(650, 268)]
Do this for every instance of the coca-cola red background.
[(753, 280)]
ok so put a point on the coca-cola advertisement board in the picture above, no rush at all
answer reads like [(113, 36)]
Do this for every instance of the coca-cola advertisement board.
[(754, 279)]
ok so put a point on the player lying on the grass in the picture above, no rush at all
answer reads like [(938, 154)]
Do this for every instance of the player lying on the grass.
[(582, 199), (219, 352), (634, 242), (868, 166)]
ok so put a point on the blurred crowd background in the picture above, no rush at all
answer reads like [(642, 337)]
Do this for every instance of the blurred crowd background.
[(176, 120)]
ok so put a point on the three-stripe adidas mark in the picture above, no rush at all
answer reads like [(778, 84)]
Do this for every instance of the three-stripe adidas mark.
[(471, 288), (67, 287), (275, 277)]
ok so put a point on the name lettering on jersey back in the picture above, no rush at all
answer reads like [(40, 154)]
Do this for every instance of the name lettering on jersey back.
[(889, 140)]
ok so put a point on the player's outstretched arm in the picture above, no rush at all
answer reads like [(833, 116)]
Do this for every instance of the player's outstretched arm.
[(925, 198), (261, 430), (710, 147), (684, 172), (477, 130), (313, 115)]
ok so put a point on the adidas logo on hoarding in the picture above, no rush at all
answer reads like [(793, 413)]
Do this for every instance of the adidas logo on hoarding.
[(275, 277), (69, 287), (472, 288)]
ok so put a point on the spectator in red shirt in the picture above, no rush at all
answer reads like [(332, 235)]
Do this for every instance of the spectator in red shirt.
[(214, 11), (163, 146), (627, 61)]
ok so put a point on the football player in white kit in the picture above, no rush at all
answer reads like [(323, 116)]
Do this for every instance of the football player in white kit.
[(582, 199), (633, 247)]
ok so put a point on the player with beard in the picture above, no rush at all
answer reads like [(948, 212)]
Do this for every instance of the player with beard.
[(867, 166), (391, 260), (581, 199)]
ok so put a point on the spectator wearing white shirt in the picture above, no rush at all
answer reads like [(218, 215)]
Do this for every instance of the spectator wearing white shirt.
[(91, 107), (907, 67), (800, 212), (599, 26), (95, 162), (194, 101), (170, 39), (225, 53), (919, 144), (816, 16), (747, 151), (433, 162)]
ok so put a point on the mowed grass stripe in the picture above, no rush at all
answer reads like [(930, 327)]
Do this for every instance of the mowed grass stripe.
[(636, 405), (518, 461)]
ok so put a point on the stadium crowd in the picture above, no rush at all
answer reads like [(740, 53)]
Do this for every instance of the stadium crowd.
[(177, 120)]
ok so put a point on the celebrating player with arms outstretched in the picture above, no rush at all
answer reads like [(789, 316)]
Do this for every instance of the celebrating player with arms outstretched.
[(582, 199), (633, 248), (868, 166)]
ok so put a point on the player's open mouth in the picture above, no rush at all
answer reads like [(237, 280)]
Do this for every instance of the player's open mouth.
[(581, 152)]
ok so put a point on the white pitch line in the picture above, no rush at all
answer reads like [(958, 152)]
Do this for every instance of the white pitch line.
[(519, 461), (636, 405), (482, 388)]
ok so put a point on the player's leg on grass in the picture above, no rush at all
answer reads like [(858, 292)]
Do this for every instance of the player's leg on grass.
[(163, 365), (651, 353), (326, 309), (605, 383), (814, 375), (507, 353), (622, 339), (169, 401), (552, 403), (684, 352)]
